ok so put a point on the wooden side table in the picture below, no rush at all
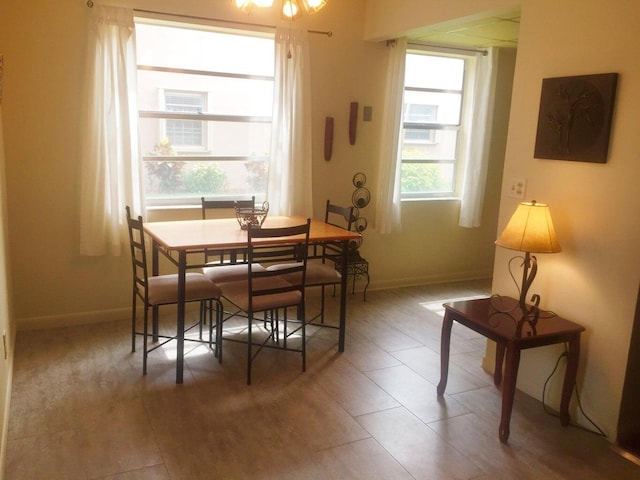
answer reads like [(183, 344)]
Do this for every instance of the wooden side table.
[(496, 319)]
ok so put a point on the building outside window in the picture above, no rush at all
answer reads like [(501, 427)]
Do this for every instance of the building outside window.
[(433, 124), (205, 105)]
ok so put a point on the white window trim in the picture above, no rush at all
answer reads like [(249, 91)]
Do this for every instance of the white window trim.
[(466, 111)]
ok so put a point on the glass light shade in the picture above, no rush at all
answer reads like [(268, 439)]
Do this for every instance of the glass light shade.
[(244, 5), (290, 9), (262, 3), (312, 6), (530, 229)]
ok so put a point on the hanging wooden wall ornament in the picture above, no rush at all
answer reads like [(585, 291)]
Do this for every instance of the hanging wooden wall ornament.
[(328, 138), (353, 122)]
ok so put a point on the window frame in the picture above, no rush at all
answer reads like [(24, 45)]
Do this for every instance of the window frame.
[(204, 153), (439, 128)]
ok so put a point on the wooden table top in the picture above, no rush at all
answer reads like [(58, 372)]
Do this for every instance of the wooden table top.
[(226, 232), (496, 318)]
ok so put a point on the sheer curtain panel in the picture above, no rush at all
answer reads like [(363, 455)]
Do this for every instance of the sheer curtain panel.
[(110, 169), (289, 185), (479, 141), (387, 218)]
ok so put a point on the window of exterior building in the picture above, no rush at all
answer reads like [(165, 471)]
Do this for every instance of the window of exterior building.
[(205, 101), (433, 124), (185, 135)]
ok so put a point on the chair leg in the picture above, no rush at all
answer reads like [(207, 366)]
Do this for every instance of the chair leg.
[(249, 347), (203, 317), (284, 326), (133, 322), (275, 325), (144, 341), (322, 303), (219, 323), (156, 323), (301, 314)]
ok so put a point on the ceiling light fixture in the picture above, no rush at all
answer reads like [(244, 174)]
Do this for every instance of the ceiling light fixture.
[(291, 9)]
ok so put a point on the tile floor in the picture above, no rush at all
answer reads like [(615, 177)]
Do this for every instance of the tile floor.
[(81, 408)]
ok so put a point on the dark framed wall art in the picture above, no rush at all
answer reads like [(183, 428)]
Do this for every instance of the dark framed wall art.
[(574, 121)]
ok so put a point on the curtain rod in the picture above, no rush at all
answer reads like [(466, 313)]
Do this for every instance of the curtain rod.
[(235, 22), (447, 47)]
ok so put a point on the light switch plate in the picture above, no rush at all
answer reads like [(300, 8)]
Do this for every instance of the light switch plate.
[(517, 187)]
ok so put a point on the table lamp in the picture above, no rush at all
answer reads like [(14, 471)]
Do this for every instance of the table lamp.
[(530, 230)]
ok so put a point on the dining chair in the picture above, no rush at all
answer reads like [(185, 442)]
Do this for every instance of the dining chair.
[(224, 265), (323, 274), (266, 291), (157, 290)]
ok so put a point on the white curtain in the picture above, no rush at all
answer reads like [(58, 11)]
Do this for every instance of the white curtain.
[(387, 218), (289, 185), (110, 166), (478, 140)]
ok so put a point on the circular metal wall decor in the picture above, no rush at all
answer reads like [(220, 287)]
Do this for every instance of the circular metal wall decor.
[(359, 179)]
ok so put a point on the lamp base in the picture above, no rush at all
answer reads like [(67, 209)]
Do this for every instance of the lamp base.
[(525, 314)]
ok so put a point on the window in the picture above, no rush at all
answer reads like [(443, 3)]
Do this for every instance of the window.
[(433, 120), (416, 113), (205, 100), (185, 134)]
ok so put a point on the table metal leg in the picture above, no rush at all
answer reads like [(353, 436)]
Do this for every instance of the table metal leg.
[(508, 390), (343, 297), (573, 356), (445, 343)]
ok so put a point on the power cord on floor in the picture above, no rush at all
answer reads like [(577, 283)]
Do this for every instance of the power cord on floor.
[(552, 413)]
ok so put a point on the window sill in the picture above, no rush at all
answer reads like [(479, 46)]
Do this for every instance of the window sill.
[(430, 199)]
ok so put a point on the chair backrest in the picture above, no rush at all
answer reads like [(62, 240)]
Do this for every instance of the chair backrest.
[(225, 204), (138, 255), (225, 256), (288, 250), (337, 216)]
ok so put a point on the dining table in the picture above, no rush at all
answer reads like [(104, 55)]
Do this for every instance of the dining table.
[(184, 242)]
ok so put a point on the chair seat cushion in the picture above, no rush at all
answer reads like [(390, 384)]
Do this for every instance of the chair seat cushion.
[(238, 294), (229, 273), (317, 274), (163, 289)]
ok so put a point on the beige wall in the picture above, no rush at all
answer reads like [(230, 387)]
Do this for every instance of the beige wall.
[(594, 281), (43, 43)]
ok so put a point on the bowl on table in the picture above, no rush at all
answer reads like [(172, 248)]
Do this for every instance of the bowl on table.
[(252, 217)]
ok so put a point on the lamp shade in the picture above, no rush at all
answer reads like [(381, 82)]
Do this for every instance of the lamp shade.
[(530, 229)]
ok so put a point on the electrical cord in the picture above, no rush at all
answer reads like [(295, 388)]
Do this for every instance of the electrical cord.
[(553, 414)]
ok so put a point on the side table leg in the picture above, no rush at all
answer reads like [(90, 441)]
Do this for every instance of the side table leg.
[(445, 342), (573, 357), (508, 390), (497, 372)]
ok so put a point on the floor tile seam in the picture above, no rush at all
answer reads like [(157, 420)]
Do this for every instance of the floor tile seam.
[(373, 437), (429, 425), (156, 442), (141, 469)]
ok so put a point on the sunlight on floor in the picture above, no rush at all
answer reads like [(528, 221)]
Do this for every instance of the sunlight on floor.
[(437, 308)]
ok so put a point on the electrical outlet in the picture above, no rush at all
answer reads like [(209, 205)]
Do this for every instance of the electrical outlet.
[(517, 187)]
